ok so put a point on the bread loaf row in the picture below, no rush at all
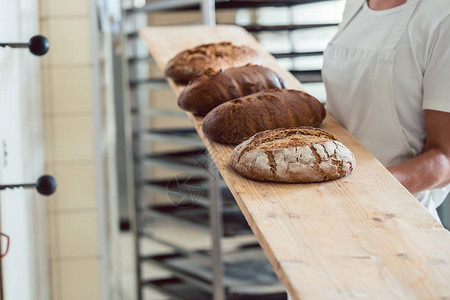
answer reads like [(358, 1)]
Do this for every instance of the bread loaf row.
[(260, 100), (249, 105)]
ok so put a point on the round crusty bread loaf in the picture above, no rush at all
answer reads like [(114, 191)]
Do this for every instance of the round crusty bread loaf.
[(296, 155), (211, 89), (235, 121), (191, 63)]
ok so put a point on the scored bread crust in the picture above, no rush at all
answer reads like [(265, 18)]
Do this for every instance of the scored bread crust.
[(211, 89), (294, 155), (191, 63), (237, 120)]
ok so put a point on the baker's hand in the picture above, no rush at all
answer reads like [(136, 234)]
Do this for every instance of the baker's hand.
[(430, 169)]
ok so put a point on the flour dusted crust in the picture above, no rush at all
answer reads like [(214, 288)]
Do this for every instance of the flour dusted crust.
[(296, 155), (217, 56)]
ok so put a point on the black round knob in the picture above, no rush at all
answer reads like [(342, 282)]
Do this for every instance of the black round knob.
[(38, 45), (46, 185)]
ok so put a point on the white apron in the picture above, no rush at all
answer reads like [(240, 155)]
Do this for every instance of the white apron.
[(360, 95)]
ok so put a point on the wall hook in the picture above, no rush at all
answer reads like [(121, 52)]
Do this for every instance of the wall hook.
[(45, 185), (38, 45)]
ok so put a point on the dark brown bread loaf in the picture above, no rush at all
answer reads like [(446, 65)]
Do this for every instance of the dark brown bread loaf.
[(218, 56), (299, 155), (235, 121), (205, 92)]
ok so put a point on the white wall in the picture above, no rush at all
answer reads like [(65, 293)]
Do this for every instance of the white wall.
[(22, 211)]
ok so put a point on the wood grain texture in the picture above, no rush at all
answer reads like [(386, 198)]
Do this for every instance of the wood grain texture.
[(364, 236)]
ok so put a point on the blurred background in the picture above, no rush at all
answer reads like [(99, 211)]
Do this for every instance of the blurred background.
[(138, 209)]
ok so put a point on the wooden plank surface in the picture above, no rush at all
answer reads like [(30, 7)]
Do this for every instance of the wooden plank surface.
[(363, 236)]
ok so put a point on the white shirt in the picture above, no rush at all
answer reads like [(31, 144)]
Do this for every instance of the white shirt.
[(417, 78), (422, 62)]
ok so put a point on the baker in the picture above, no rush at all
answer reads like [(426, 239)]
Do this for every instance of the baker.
[(387, 78)]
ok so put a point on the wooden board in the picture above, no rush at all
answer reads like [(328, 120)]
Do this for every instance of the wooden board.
[(363, 236)]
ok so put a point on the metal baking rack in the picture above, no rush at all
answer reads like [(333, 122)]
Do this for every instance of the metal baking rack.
[(198, 198), (248, 275)]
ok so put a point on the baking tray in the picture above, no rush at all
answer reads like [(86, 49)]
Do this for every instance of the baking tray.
[(186, 136), (177, 289), (234, 223), (219, 4), (193, 160), (187, 190)]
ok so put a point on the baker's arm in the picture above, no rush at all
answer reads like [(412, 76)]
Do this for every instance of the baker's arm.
[(430, 169)]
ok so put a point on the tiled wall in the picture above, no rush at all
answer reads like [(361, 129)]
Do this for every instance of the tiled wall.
[(69, 147)]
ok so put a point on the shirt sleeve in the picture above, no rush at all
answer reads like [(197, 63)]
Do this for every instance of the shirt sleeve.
[(436, 80)]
